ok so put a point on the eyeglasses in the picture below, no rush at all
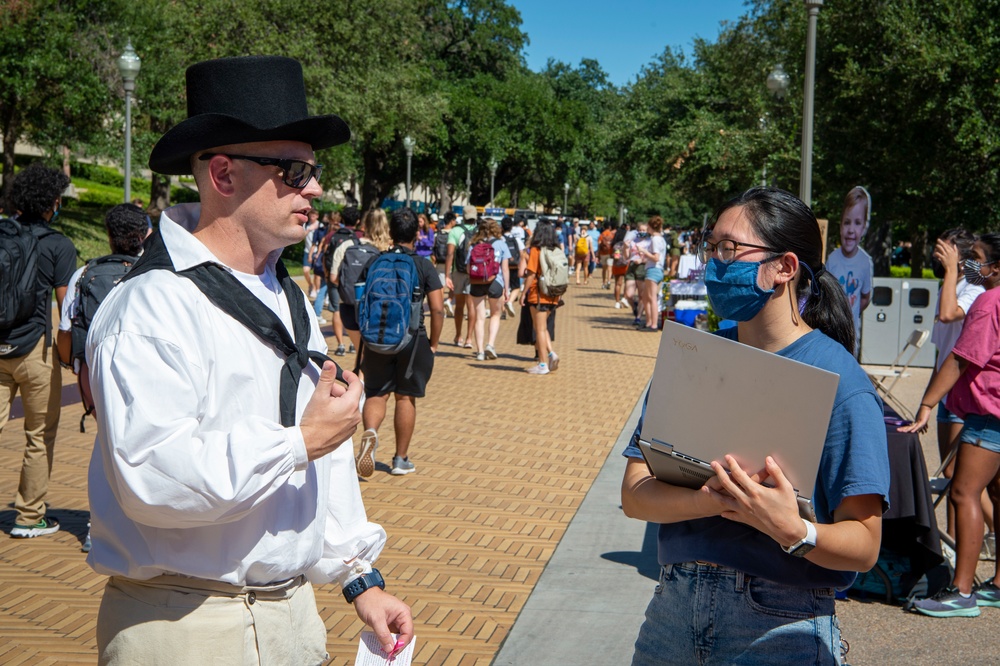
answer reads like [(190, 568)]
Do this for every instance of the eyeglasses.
[(727, 250), (294, 173)]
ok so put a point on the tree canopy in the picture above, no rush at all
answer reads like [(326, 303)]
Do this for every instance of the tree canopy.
[(907, 102)]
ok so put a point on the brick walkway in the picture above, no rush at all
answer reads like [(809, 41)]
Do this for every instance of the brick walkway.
[(503, 461)]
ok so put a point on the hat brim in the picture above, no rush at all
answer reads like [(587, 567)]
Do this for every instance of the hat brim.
[(172, 153)]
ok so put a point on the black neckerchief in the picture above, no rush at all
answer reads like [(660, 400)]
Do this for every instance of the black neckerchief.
[(230, 295)]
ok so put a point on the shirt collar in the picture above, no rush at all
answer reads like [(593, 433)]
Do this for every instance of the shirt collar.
[(176, 226)]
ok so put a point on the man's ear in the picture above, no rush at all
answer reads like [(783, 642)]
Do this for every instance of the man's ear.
[(221, 175)]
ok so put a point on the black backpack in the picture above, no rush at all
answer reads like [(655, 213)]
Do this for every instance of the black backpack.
[(440, 250), (462, 250), (341, 235), (97, 280), (19, 271), (356, 260), (515, 251)]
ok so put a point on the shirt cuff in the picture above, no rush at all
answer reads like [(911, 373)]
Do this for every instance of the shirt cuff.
[(298, 446), (358, 569)]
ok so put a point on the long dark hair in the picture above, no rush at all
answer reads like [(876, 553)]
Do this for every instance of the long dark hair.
[(783, 222), (545, 236)]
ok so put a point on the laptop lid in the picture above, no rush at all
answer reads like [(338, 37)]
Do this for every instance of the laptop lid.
[(710, 396)]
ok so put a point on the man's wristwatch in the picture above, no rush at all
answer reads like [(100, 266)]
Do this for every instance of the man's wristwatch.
[(362, 584), (801, 547)]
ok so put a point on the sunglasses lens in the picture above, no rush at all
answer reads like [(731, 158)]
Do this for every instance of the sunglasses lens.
[(298, 174)]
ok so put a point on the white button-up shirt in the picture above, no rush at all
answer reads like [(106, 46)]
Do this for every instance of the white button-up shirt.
[(192, 471)]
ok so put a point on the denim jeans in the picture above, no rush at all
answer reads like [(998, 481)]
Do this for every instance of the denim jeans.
[(704, 614), (320, 298)]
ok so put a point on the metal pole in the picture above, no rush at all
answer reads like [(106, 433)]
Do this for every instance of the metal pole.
[(805, 177), (409, 160), (128, 140)]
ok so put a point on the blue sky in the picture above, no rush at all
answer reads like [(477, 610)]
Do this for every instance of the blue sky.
[(622, 35)]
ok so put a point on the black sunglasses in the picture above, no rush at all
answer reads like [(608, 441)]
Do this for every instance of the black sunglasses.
[(294, 173)]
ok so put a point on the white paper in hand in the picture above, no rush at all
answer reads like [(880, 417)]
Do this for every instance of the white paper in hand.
[(370, 652)]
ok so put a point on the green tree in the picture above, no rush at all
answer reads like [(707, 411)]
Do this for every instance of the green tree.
[(56, 74)]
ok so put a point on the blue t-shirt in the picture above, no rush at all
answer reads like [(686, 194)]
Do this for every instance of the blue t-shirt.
[(855, 461)]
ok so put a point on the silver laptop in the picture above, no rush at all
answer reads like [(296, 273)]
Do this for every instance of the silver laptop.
[(710, 396)]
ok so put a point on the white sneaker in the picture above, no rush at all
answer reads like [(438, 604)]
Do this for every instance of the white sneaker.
[(491, 353), (624, 302), (618, 305), (553, 361), (509, 308), (322, 321), (449, 309)]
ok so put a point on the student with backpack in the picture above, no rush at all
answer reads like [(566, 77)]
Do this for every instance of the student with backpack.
[(546, 279), (349, 262), (604, 249), (127, 227), (439, 255), (34, 260), (584, 255), (398, 354), (619, 263), (515, 245), (489, 266), (456, 274), (343, 229)]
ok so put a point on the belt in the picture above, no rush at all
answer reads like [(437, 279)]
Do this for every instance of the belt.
[(214, 588)]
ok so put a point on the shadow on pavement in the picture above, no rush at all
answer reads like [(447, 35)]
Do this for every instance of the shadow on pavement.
[(644, 561)]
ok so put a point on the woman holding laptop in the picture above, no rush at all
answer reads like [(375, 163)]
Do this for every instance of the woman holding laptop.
[(745, 579)]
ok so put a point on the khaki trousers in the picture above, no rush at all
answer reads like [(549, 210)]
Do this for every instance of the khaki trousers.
[(175, 620), (38, 378)]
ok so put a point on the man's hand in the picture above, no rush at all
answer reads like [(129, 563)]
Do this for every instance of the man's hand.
[(332, 415), (386, 615)]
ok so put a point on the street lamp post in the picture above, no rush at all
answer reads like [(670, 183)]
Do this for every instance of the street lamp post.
[(408, 144), (468, 178), (128, 67), (493, 175), (777, 85), (805, 179), (565, 197)]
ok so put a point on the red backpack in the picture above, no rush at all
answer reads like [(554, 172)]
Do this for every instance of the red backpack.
[(483, 265)]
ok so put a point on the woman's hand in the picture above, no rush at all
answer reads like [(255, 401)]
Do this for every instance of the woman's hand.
[(947, 254), (920, 424), (773, 511)]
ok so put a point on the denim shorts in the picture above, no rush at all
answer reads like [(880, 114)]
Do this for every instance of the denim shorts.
[(945, 415), (654, 274), (983, 431), (707, 614)]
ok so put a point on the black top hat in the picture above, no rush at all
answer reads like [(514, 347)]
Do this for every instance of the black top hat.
[(243, 100)]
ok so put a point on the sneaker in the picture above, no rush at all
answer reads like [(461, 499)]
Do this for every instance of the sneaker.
[(540, 369), (491, 353), (366, 457), (637, 322), (322, 321), (350, 350), (949, 603), (340, 351), (949, 555), (503, 315), (401, 466), (449, 309), (509, 308), (41, 528), (618, 305), (86, 542), (987, 594), (624, 302), (553, 361), (480, 356)]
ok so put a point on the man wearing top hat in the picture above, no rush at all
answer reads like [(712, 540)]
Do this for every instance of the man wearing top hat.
[(222, 483)]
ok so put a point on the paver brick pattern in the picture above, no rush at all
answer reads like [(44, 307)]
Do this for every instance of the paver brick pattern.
[(503, 461)]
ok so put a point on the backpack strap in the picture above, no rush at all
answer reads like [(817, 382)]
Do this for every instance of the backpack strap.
[(229, 295)]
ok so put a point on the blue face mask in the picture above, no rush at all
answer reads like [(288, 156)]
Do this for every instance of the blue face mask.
[(733, 290)]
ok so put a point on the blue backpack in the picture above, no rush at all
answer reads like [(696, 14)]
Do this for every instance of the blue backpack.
[(389, 311)]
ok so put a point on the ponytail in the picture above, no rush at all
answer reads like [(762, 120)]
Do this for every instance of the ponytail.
[(823, 305)]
